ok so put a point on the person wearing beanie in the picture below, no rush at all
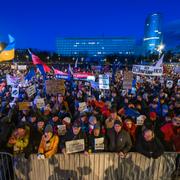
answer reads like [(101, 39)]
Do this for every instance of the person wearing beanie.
[(94, 137), (92, 123), (49, 143), (118, 140), (74, 134)]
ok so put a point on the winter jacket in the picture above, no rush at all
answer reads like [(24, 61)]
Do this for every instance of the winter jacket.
[(120, 142), (21, 142), (48, 148), (152, 148)]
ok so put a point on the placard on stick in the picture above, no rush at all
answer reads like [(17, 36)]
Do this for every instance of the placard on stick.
[(55, 87)]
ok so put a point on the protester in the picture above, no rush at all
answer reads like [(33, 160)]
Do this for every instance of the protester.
[(19, 139), (49, 143), (118, 140), (149, 145)]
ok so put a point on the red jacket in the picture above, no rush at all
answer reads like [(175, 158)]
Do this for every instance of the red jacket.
[(168, 132)]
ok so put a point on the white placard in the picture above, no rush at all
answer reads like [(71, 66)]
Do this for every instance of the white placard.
[(61, 129), (104, 81), (15, 92), (75, 146), (22, 67), (178, 82), (169, 84), (31, 90), (40, 103), (99, 143), (82, 106)]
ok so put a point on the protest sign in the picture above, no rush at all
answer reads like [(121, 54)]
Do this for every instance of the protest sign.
[(75, 146), (22, 67), (82, 106), (24, 105), (99, 143), (40, 103), (55, 87), (127, 80), (169, 84), (147, 70), (15, 92), (61, 129), (103, 81), (178, 82), (31, 90)]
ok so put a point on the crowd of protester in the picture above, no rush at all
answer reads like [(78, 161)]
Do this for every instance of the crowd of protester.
[(112, 114)]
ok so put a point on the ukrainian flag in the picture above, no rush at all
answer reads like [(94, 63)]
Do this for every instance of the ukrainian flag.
[(8, 53)]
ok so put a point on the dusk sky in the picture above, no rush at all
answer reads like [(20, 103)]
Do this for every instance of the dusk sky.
[(36, 24)]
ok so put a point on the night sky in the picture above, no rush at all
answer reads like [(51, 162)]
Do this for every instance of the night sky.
[(37, 23)]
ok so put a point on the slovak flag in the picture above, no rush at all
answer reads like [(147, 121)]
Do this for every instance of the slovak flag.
[(43, 67)]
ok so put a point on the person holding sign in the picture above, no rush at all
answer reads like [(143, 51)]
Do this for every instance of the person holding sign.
[(96, 140), (49, 143), (75, 134), (118, 140)]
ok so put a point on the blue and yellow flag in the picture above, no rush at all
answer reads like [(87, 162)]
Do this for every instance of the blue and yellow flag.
[(8, 53)]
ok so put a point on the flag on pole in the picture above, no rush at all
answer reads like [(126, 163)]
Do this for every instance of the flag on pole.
[(30, 74), (160, 61), (8, 53), (76, 63), (43, 67)]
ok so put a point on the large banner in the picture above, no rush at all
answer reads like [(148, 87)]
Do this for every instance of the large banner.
[(75, 146), (103, 81), (147, 70), (55, 87)]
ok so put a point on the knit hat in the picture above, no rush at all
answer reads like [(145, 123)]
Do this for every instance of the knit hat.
[(91, 119), (118, 122), (152, 115), (48, 129), (67, 120), (76, 124)]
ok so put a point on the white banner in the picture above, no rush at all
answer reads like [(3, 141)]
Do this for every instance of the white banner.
[(75, 146), (147, 70), (104, 81), (31, 90)]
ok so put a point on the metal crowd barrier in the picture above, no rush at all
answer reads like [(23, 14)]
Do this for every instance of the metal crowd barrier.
[(98, 166), (6, 166)]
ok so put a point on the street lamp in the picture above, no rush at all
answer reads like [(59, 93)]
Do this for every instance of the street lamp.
[(160, 48)]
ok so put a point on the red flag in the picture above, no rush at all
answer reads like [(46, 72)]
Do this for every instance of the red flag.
[(36, 60)]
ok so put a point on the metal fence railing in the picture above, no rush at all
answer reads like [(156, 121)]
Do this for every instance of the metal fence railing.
[(98, 166), (6, 166)]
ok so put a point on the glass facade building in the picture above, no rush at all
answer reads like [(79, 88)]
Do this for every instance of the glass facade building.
[(153, 33), (95, 47)]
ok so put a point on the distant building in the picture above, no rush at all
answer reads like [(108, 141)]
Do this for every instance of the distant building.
[(153, 33), (95, 47)]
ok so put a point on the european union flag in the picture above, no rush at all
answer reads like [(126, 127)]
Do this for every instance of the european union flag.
[(30, 74)]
